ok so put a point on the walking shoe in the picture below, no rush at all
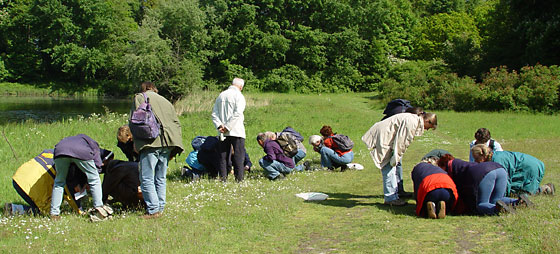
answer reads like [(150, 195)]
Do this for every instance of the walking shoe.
[(54, 217), (8, 210), (343, 167), (502, 207), (524, 200), (431, 210), (547, 189), (396, 202), (151, 216), (99, 214), (441, 212)]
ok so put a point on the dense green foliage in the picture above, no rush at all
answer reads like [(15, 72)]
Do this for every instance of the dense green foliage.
[(276, 45), (428, 84)]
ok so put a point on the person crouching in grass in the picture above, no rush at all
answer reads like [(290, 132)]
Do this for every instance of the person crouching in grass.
[(275, 163)]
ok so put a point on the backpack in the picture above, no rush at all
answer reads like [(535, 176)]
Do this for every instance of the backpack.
[(396, 106), (288, 144), (343, 142), (295, 134), (143, 123)]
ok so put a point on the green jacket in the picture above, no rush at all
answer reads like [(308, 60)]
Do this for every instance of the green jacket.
[(166, 115), (525, 172)]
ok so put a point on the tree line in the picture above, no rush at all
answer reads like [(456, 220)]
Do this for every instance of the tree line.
[(276, 45)]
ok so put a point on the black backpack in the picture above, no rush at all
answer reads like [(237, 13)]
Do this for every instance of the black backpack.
[(343, 142), (396, 106)]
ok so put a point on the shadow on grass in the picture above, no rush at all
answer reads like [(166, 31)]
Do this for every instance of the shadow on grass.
[(349, 200)]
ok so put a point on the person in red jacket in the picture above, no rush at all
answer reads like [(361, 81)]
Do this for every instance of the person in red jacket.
[(331, 155)]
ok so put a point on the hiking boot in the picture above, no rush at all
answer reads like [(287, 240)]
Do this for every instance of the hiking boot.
[(502, 207), (441, 212), (431, 210), (8, 210), (99, 214), (343, 168), (396, 202), (151, 216), (524, 200)]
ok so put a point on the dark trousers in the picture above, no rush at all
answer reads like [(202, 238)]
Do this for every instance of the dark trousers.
[(237, 159), (440, 194)]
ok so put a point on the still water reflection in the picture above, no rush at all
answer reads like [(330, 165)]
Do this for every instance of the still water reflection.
[(49, 109)]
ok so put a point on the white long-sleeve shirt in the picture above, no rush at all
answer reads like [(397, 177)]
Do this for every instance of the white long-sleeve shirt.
[(387, 140), (228, 111)]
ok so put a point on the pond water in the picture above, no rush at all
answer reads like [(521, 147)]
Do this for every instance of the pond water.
[(50, 109)]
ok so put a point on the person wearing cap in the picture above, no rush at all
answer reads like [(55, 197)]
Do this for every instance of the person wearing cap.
[(387, 141), (227, 116)]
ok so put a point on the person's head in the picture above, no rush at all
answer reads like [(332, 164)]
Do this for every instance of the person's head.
[(148, 86), (326, 131), (482, 153), (415, 110), (315, 140), (482, 136), (430, 120), (264, 136), (444, 160), (239, 83), (123, 134)]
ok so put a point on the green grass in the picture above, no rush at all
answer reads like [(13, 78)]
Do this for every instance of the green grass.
[(17, 89), (259, 216)]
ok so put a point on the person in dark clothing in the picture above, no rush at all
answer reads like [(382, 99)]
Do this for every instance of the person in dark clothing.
[(481, 186), (275, 163), (208, 157), (435, 192), (121, 182), (126, 144)]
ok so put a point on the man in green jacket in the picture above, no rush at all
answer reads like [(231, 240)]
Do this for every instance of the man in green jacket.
[(155, 154)]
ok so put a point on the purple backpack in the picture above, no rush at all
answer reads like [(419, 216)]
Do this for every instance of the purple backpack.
[(143, 123)]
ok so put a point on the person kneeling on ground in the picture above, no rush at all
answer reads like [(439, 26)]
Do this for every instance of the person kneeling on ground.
[(332, 155), (481, 186), (122, 183), (275, 163), (435, 192), (525, 172)]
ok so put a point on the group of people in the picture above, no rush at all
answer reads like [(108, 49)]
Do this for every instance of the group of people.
[(442, 183)]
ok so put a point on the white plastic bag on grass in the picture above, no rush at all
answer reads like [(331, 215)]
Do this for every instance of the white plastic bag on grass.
[(312, 196)]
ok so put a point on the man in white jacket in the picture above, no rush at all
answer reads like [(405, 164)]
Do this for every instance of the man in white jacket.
[(388, 140), (228, 118)]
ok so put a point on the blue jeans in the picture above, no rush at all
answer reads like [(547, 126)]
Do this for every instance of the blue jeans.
[(299, 156), (153, 169), (491, 189), (399, 177), (273, 169), (329, 158), (88, 167), (390, 182)]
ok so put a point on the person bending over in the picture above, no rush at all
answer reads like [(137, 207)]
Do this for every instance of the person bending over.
[(525, 172), (275, 163), (434, 191)]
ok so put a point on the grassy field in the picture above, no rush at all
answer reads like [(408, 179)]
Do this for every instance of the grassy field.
[(260, 216)]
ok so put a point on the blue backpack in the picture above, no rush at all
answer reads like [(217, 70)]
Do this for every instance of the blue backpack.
[(143, 123)]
